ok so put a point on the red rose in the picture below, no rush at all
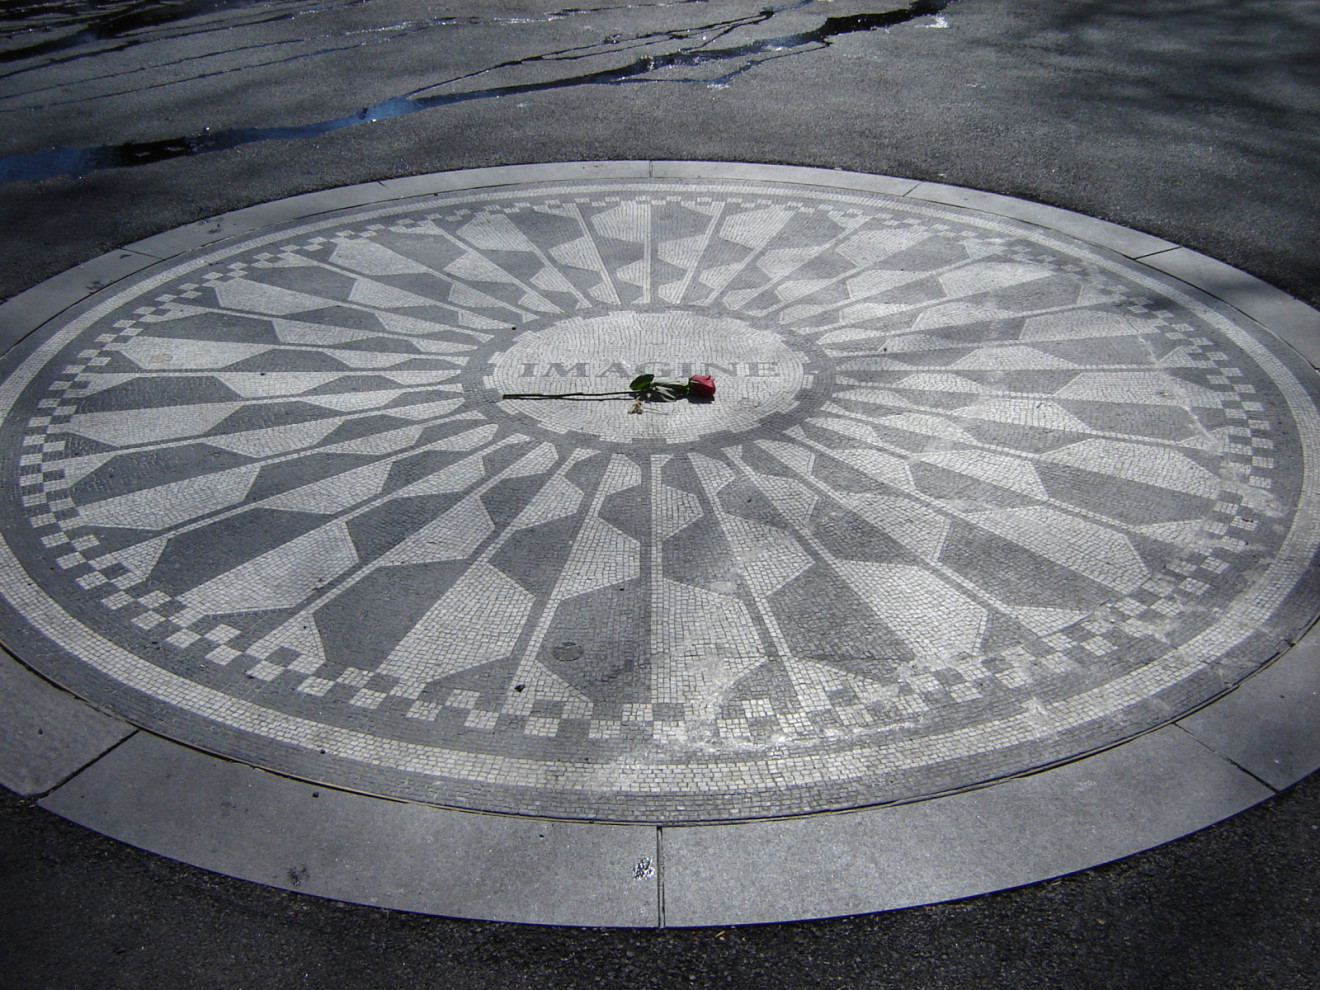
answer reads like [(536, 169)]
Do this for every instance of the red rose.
[(701, 387)]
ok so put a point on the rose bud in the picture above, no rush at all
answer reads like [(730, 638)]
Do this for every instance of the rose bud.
[(701, 387)]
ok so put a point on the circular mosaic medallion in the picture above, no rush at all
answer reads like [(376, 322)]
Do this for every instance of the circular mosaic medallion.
[(972, 499)]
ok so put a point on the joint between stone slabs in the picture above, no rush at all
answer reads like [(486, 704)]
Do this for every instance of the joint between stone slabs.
[(659, 876), (38, 798), (1228, 759), (1152, 254)]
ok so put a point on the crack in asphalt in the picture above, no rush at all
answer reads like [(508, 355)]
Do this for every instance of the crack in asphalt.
[(747, 56), (620, 43), (360, 38), (116, 28), (99, 22), (155, 67)]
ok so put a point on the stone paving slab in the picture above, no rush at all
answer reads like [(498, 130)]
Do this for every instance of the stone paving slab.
[(887, 184), (1270, 725), (31, 308), (1018, 831), (975, 499), (49, 735), (247, 823), (170, 243), (501, 175)]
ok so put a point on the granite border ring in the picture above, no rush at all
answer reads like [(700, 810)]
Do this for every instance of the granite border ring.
[(992, 560)]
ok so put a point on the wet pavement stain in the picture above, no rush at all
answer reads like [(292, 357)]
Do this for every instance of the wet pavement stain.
[(701, 52)]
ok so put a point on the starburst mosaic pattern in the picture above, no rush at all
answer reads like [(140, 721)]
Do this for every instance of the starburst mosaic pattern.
[(972, 499)]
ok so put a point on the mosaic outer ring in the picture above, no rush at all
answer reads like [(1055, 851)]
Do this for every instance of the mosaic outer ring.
[(774, 782)]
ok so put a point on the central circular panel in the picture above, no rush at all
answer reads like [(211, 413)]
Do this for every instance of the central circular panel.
[(757, 373), (971, 499)]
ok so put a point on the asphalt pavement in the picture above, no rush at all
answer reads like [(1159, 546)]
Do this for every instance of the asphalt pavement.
[(1198, 122)]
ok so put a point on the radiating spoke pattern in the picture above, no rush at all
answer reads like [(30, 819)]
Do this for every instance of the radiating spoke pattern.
[(971, 499)]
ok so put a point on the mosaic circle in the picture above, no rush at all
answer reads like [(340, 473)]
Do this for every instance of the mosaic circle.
[(972, 499)]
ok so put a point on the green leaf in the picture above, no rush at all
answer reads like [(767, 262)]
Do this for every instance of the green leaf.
[(666, 393), (641, 383)]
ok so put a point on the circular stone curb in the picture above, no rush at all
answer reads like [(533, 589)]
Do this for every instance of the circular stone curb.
[(699, 835)]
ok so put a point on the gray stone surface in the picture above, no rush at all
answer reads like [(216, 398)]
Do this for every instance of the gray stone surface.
[(24, 312), (237, 820), (48, 735), (501, 175), (190, 237), (1270, 725), (744, 171), (1154, 788)]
